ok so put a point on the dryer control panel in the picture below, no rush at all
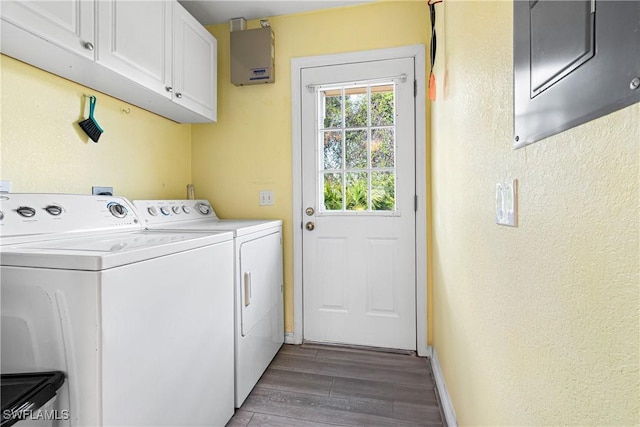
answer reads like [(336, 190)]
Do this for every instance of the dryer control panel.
[(33, 214), (155, 212)]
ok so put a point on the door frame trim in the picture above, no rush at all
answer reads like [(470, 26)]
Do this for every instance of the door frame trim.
[(417, 52)]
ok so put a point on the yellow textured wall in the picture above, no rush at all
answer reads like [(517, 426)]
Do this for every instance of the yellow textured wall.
[(249, 149), (535, 325), (42, 148)]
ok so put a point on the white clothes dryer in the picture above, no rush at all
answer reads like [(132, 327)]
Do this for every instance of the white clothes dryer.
[(140, 322), (259, 311)]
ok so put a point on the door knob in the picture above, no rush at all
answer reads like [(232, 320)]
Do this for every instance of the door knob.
[(309, 211), (310, 226)]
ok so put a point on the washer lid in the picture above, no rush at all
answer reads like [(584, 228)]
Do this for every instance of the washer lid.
[(104, 251)]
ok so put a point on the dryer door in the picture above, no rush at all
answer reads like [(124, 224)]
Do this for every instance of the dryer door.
[(260, 279)]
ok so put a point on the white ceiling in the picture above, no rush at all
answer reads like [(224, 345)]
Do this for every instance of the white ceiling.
[(209, 12)]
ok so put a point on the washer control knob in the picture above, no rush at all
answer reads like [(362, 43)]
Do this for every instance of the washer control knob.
[(186, 209), (203, 208), (117, 210), (152, 211), (26, 211), (165, 211), (54, 210), (176, 210)]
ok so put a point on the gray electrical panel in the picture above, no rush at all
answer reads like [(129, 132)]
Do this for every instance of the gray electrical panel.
[(252, 57), (574, 61)]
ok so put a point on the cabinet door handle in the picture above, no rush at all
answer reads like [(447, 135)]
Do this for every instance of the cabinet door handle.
[(247, 288), (178, 95), (168, 89), (88, 46)]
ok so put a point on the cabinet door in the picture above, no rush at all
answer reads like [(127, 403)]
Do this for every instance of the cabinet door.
[(68, 24), (135, 41), (194, 64)]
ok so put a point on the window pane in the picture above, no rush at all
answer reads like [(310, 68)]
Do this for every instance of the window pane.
[(382, 148), (355, 109), (382, 105), (357, 144), (356, 148), (357, 188), (332, 149), (332, 192), (332, 109), (383, 191)]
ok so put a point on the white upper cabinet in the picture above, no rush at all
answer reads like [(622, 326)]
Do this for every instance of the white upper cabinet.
[(134, 40), (67, 24), (194, 64), (152, 54)]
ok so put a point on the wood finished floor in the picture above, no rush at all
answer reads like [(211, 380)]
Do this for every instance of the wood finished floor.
[(314, 385)]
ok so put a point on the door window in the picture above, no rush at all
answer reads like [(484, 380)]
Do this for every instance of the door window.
[(356, 142)]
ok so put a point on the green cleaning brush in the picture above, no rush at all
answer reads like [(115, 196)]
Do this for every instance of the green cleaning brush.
[(90, 126)]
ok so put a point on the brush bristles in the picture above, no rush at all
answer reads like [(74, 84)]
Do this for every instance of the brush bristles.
[(91, 128)]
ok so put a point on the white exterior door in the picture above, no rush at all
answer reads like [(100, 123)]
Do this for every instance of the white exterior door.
[(358, 195)]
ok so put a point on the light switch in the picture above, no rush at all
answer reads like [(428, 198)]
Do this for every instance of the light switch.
[(266, 198), (507, 203)]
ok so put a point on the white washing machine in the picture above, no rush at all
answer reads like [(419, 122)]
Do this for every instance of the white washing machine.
[(140, 322), (259, 313)]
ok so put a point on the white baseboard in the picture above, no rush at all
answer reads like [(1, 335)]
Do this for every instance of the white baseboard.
[(443, 394), (290, 338)]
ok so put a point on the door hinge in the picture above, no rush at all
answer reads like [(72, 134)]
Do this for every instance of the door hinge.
[(415, 88), (415, 203)]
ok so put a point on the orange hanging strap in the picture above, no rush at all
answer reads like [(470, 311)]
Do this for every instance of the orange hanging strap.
[(432, 87)]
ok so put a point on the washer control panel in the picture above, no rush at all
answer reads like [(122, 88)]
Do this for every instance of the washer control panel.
[(164, 211), (24, 214)]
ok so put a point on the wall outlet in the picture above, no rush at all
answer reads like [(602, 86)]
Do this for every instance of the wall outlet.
[(266, 198), (5, 186), (507, 203), (102, 191)]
